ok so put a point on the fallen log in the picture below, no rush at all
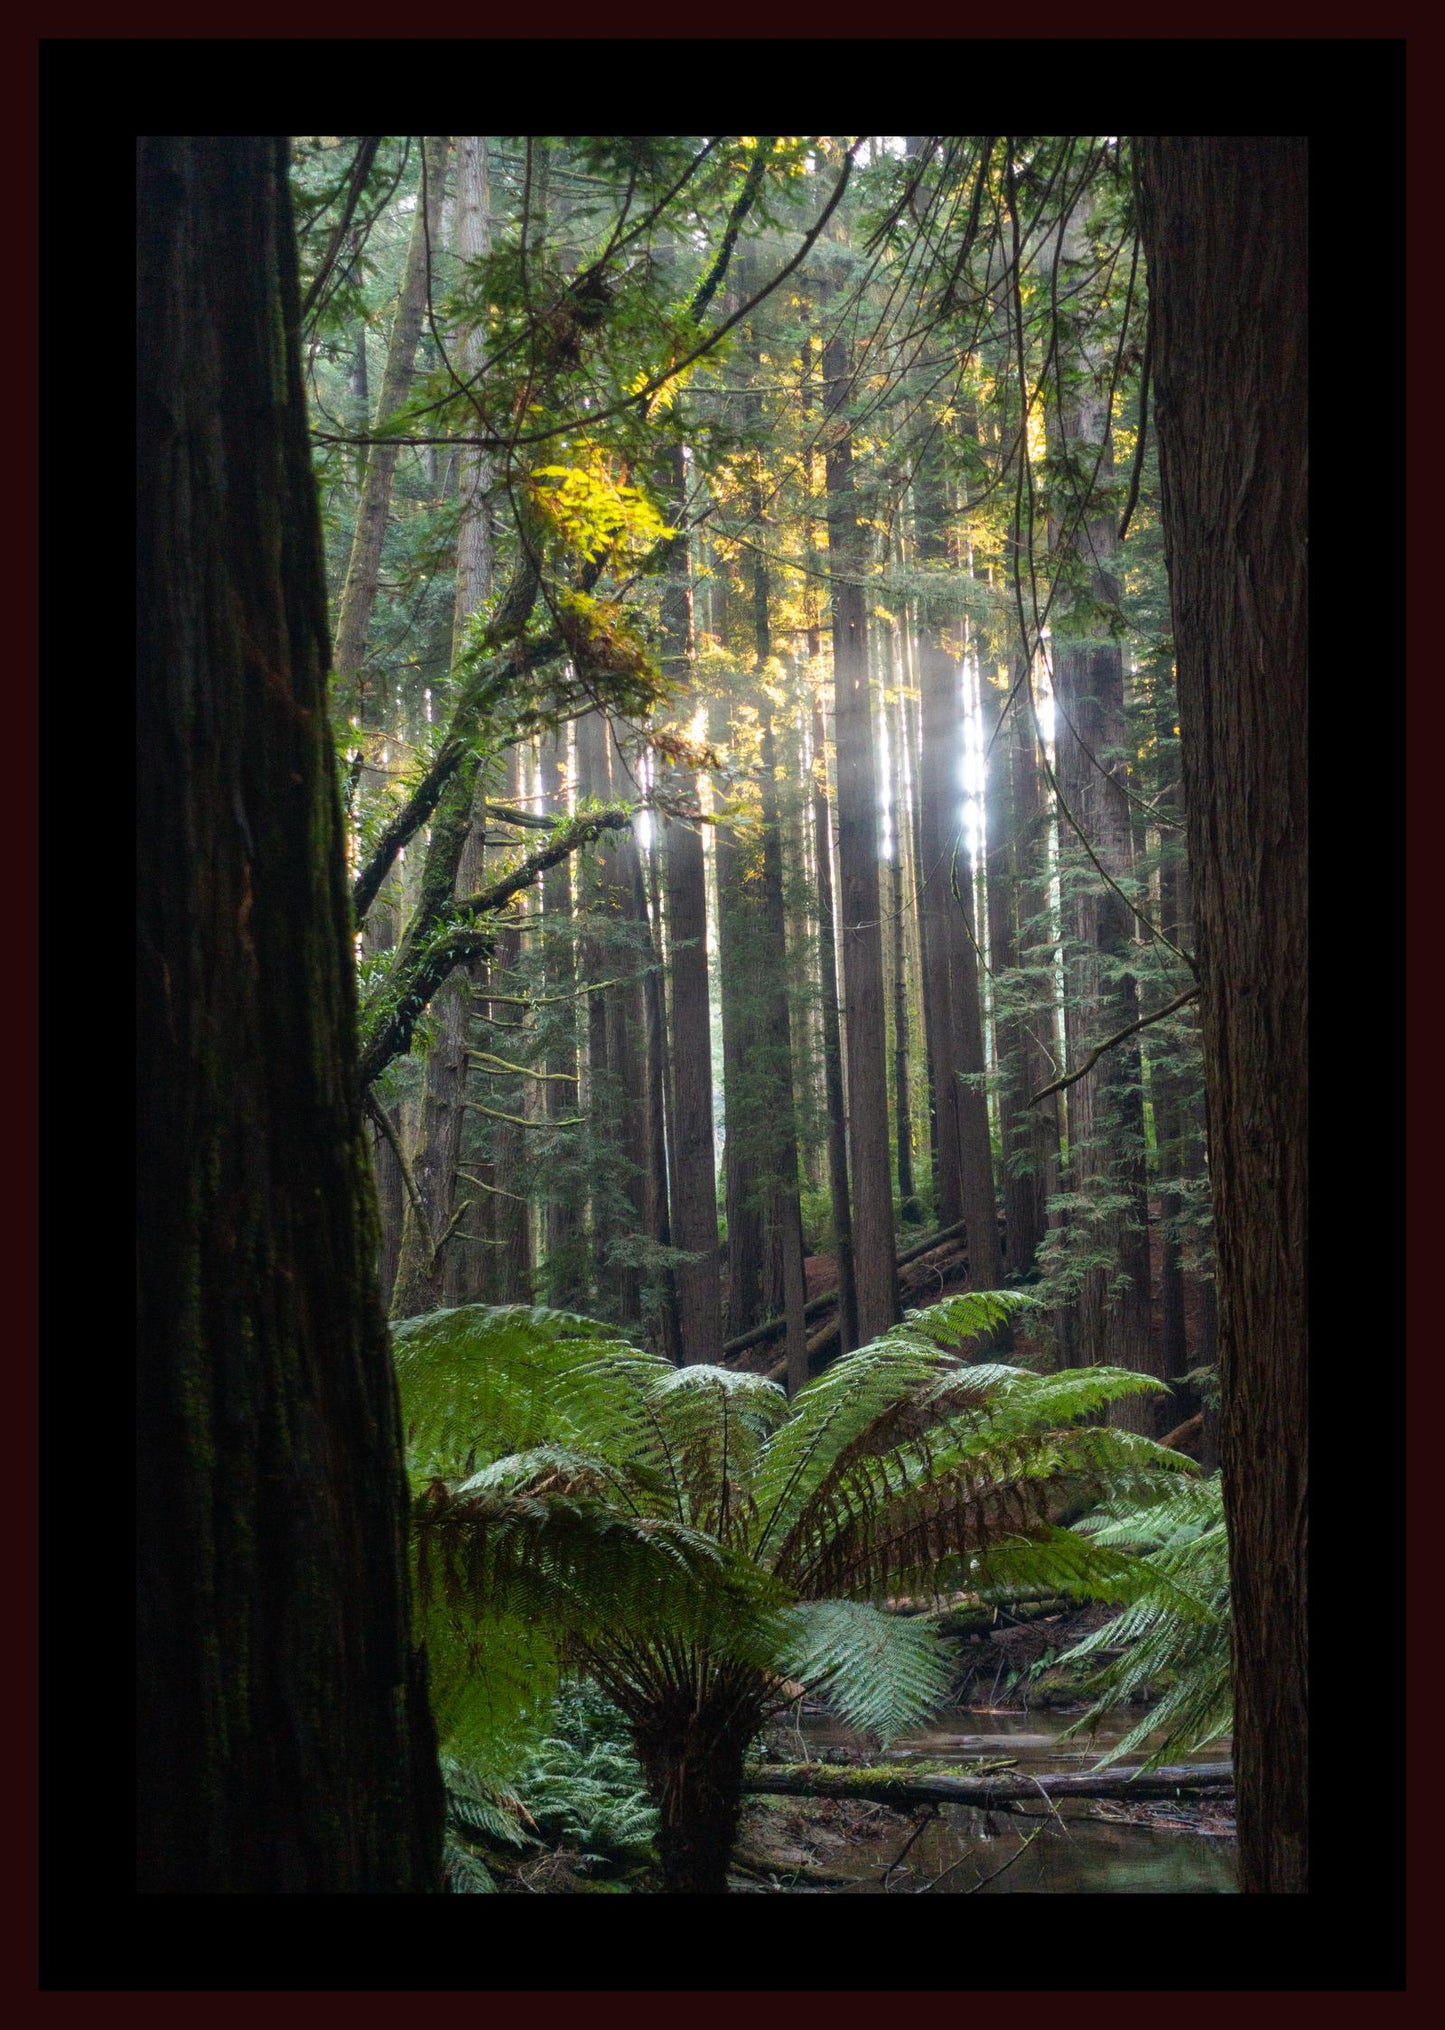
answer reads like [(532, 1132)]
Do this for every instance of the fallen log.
[(816, 1306), (901, 1786)]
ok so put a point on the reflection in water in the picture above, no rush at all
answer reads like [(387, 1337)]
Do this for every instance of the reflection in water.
[(1057, 1851)]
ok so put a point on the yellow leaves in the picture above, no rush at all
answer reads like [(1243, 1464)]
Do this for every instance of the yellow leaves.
[(595, 514)]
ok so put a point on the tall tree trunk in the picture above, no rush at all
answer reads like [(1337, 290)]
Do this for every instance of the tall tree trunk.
[(898, 887), (430, 1219), (752, 1294), (867, 1071), (562, 1231), (691, 1146), (1013, 840), (963, 1169), (838, 1190), (284, 1742), (363, 572), (1225, 233), (784, 1212), (1106, 1107)]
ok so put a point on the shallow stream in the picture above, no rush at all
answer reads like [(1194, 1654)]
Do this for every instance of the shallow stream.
[(1054, 1850)]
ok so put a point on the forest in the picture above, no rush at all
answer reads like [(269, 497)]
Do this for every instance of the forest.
[(722, 947)]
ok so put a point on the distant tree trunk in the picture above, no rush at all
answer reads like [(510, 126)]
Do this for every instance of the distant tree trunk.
[(963, 1172), (838, 1190), (691, 1145), (511, 1224), (898, 887), (694, 1182), (784, 1211), (422, 1270), (752, 1294), (1225, 233), (358, 594), (867, 1070), (1013, 842), (283, 1738), (561, 1216), (823, 854), (657, 1211), (1106, 1108)]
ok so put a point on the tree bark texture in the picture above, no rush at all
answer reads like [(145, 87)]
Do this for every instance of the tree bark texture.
[(1225, 234), (284, 1739)]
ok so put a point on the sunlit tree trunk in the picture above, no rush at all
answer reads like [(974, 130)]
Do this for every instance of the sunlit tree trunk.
[(862, 948), (963, 1171)]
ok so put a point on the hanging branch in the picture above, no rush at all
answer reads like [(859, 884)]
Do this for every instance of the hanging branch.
[(379, 1116), (1130, 1029), (437, 943), (360, 169)]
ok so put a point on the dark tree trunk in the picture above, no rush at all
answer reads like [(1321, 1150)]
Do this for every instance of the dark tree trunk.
[(862, 944), (1225, 228), (694, 1183), (284, 1740), (692, 1762)]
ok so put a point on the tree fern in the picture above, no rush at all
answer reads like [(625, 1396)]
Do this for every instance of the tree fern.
[(700, 1544)]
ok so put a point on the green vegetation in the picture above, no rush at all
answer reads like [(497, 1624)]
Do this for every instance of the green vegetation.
[(702, 1548)]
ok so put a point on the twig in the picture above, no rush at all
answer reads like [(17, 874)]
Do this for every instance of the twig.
[(927, 1820), (1072, 1078), (378, 1115)]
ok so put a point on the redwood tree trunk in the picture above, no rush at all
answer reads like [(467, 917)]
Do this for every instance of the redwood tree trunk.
[(870, 1177), (1225, 232), (283, 1734)]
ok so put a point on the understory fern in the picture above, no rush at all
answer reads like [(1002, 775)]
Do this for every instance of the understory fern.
[(1175, 1629), (581, 1503)]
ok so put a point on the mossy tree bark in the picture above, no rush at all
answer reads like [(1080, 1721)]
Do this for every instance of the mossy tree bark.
[(284, 1739), (1225, 227)]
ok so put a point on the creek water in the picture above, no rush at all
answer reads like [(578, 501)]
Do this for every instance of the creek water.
[(966, 1851)]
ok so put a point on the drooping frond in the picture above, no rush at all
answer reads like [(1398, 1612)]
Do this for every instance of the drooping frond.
[(491, 1681), (1176, 1628), (958, 1461), (484, 1380), (876, 1383), (559, 1549), (882, 1673)]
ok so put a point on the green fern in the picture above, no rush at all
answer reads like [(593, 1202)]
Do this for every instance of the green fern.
[(700, 1545), (1176, 1625)]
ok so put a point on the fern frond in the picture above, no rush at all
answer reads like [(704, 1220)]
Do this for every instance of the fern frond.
[(882, 1673), (1187, 1646)]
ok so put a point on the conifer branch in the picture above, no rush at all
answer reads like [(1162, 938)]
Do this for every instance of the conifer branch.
[(1130, 1029)]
